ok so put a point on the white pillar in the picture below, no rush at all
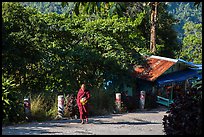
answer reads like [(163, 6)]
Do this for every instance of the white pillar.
[(118, 101), (27, 108), (142, 99), (60, 105)]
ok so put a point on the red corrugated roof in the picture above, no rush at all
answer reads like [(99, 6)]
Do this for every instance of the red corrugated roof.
[(156, 67)]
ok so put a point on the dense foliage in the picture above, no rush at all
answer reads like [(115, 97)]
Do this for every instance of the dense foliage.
[(12, 108), (54, 54), (166, 37), (189, 29), (46, 7), (185, 114), (52, 43), (192, 43), (185, 12)]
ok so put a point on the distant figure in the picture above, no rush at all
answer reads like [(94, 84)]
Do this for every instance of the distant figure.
[(82, 99)]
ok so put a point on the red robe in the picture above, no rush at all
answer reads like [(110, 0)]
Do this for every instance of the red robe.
[(83, 109)]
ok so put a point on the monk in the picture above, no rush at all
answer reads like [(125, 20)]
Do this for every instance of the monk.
[(82, 104)]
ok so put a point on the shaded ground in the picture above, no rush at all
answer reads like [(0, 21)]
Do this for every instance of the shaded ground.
[(146, 122)]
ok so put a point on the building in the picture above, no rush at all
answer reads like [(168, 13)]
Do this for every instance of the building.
[(165, 77)]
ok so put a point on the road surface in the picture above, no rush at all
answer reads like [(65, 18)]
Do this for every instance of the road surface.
[(145, 122)]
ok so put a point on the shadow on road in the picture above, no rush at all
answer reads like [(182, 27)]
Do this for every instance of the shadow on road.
[(27, 131), (138, 122), (36, 128)]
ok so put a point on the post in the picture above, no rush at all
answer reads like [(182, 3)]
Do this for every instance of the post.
[(142, 99), (118, 102), (27, 109), (60, 106)]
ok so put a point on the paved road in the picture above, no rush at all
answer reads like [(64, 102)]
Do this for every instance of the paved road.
[(146, 122)]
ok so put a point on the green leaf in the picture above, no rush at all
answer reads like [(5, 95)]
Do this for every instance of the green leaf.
[(64, 4), (76, 8), (6, 101), (112, 9)]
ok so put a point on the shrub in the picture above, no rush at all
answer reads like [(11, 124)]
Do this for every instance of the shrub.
[(53, 111), (12, 102), (185, 115), (71, 108), (128, 103), (37, 108), (44, 107), (101, 102)]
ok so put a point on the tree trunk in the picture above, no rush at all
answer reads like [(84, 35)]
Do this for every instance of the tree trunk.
[(153, 27)]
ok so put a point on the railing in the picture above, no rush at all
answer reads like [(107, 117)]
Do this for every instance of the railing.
[(164, 101)]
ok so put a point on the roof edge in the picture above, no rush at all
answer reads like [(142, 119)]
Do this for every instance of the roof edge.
[(164, 58)]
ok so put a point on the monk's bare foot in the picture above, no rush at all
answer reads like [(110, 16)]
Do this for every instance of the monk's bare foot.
[(82, 122)]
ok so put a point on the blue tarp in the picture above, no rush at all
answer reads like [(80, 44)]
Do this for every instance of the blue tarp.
[(178, 76), (191, 64), (199, 67)]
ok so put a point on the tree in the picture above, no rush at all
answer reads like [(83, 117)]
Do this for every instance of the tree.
[(166, 37), (184, 12), (153, 20), (46, 7), (100, 8), (21, 46), (197, 4), (66, 44), (122, 9), (67, 48), (116, 51), (192, 43)]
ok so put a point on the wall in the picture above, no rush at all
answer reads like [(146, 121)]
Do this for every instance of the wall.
[(129, 89)]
